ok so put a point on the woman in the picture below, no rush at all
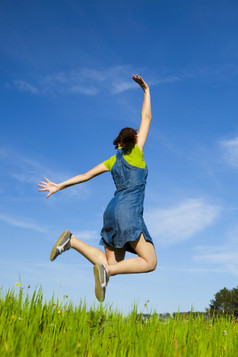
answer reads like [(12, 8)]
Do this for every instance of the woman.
[(124, 228)]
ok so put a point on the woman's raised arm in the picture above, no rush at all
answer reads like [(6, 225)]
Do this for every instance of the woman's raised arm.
[(52, 187), (146, 115)]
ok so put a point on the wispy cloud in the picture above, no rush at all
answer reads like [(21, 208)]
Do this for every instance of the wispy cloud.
[(29, 171), (224, 259), (166, 79), (87, 235), (122, 86), (114, 79), (230, 148), (26, 223), (85, 81), (179, 223), (23, 168), (24, 86)]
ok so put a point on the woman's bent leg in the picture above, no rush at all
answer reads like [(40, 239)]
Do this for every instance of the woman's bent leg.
[(145, 262), (114, 261), (94, 255)]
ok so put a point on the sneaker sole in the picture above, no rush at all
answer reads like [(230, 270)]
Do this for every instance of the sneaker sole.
[(99, 291), (63, 235)]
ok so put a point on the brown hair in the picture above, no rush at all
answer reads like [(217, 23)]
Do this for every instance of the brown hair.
[(126, 138)]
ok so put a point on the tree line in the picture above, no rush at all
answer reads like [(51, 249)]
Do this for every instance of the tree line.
[(225, 302)]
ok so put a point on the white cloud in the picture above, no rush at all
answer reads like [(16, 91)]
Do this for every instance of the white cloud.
[(116, 79), (24, 86), (225, 259), (22, 223), (23, 169), (29, 171), (82, 90), (122, 86), (230, 148), (87, 235), (174, 225), (86, 81), (82, 80)]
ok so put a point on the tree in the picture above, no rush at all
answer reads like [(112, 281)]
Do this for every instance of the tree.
[(225, 301)]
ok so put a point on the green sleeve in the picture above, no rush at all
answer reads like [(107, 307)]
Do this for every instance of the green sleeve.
[(110, 162)]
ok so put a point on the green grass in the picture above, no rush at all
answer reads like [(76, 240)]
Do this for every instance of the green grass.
[(30, 326)]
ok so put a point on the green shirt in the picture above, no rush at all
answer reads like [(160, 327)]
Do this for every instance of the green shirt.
[(133, 157)]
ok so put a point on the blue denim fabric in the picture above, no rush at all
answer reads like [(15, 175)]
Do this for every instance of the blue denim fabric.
[(123, 217)]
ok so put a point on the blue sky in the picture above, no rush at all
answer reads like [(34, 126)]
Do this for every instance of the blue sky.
[(66, 91)]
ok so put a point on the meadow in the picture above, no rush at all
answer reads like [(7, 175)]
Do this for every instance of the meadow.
[(31, 326)]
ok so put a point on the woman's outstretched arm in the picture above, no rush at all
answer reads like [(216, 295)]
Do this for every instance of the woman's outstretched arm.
[(146, 115), (52, 187)]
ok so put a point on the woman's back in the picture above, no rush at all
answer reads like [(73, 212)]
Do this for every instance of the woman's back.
[(126, 173)]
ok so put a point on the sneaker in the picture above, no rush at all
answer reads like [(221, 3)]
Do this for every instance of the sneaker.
[(101, 280), (62, 244)]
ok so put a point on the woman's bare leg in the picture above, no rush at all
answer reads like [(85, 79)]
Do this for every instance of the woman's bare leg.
[(94, 255), (145, 262), (114, 258)]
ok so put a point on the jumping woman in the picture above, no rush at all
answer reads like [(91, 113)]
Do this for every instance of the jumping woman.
[(124, 228)]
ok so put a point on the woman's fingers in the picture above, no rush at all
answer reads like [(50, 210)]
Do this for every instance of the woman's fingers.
[(138, 79), (45, 185), (135, 77), (42, 184)]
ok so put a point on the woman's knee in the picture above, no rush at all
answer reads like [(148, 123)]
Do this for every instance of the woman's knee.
[(146, 251), (152, 263)]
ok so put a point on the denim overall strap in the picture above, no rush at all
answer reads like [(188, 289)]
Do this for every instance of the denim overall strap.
[(118, 171)]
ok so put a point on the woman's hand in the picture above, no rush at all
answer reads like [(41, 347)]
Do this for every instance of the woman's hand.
[(140, 81), (49, 186)]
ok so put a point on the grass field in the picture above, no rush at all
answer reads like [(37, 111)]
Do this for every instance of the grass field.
[(30, 326)]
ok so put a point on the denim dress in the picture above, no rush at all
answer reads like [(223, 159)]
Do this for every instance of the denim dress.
[(123, 218)]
